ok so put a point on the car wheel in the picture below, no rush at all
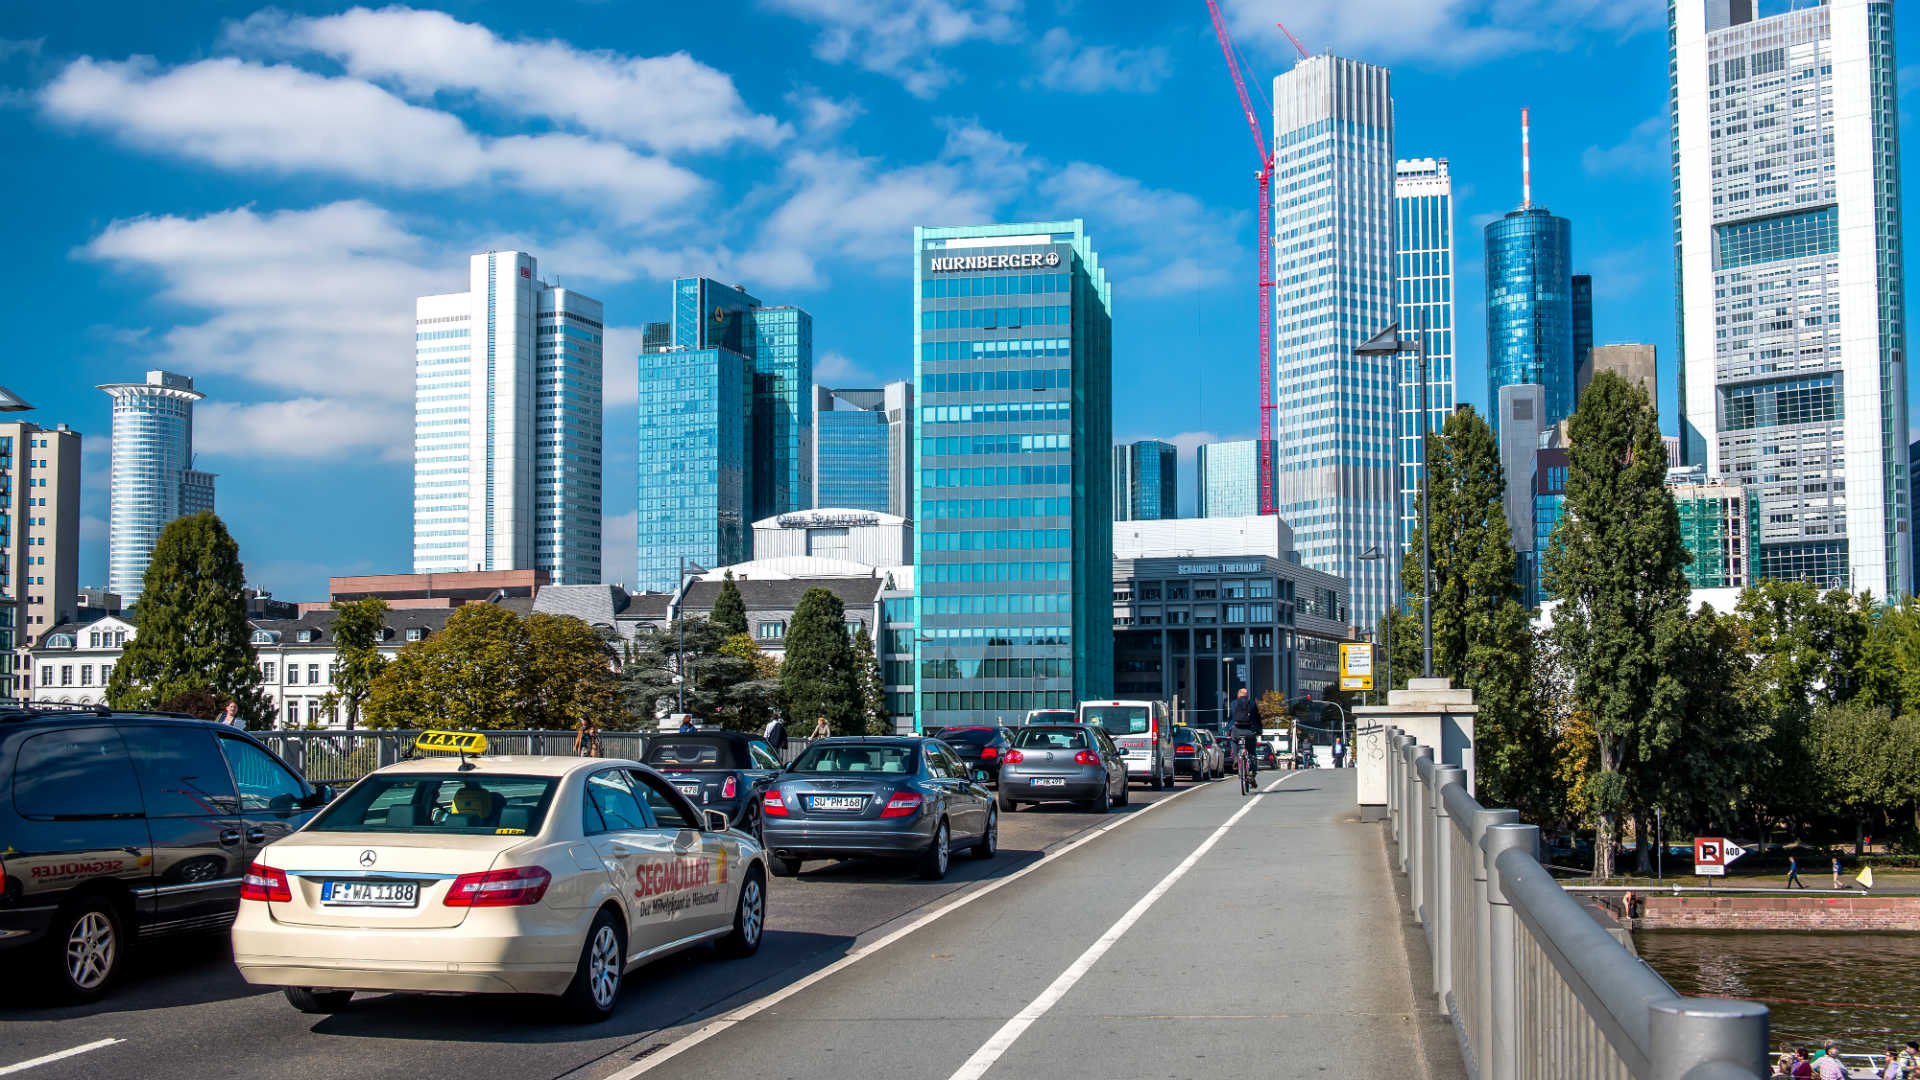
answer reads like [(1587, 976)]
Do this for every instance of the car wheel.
[(749, 917), (783, 867), (1006, 805), (989, 840), (309, 1000), (933, 864), (1155, 782), (1126, 792), (1100, 803), (87, 947), (596, 981)]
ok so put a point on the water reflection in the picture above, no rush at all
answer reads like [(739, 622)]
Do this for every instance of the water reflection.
[(1860, 989)]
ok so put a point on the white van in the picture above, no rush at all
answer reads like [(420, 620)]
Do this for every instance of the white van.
[(1144, 732)]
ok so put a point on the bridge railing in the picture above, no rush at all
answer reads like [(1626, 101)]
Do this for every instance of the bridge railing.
[(1536, 987), (340, 757)]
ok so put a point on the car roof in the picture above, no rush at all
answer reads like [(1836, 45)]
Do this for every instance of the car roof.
[(517, 764), (873, 740), (704, 733)]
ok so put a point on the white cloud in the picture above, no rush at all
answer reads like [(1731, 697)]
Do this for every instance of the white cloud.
[(239, 115), (93, 529), (1450, 32), (304, 429), (668, 103), (1156, 241), (619, 546), (1067, 64), (1647, 150), (900, 38), (835, 368), (823, 115), (620, 363)]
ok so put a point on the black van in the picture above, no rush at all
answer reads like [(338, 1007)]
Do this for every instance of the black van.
[(120, 825)]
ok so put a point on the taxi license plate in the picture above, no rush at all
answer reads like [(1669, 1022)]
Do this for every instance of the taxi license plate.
[(1049, 781), (836, 802), (370, 893), (691, 791)]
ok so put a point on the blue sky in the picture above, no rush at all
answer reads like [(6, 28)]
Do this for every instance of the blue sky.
[(254, 196)]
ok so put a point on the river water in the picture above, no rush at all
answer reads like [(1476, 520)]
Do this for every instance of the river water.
[(1860, 989)]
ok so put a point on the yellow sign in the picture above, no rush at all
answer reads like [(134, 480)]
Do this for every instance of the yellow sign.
[(462, 742), (1356, 665)]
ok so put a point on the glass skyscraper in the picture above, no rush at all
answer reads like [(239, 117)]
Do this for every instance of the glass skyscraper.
[(1333, 240), (1013, 362), (1423, 278), (1583, 336), (1530, 307), (507, 425), (782, 410), (862, 450), (1227, 479), (153, 479), (1791, 279), (1146, 481)]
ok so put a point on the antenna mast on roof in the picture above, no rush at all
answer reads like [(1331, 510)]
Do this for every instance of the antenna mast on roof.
[(1526, 161)]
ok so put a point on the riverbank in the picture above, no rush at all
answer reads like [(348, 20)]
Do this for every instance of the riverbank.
[(1779, 912)]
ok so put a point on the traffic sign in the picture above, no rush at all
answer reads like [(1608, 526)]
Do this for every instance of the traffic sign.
[(1712, 854), (1356, 665)]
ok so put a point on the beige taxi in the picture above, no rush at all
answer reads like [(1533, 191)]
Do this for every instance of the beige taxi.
[(476, 874)]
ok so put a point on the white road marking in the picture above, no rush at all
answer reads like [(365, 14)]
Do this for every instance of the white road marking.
[(9, 1070), (760, 1005), (1010, 1032)]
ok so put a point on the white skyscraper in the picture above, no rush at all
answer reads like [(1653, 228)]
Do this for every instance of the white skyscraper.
[(153, 479), (507, 436), (1792, 324), (1423, 235), (1333, 225)]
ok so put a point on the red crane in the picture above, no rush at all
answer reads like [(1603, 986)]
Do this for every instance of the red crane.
[(1264, 150)]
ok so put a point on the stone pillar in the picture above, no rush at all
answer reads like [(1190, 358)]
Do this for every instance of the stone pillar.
[(1433, 712)]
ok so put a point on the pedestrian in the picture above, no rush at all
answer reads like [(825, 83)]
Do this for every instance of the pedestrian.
[(586, 740), (820, 729), (1829, 1066), (1339, 752), (1910, 1060), (1892, 1070), (1793, 873), (687, 726), (1836, 873), (231, 714), (1802, 1065), (776, 734), (1783, 1065)]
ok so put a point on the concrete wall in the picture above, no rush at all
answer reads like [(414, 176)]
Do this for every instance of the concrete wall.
[(1657, 912)]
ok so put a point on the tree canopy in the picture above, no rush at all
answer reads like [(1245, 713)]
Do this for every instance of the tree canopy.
[(358, 627), (489, 668), (817, 678)]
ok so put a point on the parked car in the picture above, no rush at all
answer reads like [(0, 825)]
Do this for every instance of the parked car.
[(1143, 730), (981, 748), (1190, 755), (1216, 752), (1077, 763), (897, 797), (717, 770), (116, 825)]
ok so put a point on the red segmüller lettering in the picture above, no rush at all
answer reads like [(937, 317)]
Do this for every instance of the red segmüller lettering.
[(655, 879)]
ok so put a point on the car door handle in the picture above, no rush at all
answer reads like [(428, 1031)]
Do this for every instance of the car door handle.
[(229, 837), (257, 835), (621, 849)]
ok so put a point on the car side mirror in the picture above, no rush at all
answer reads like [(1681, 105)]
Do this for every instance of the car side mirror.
[(1122, 751), (716, 821), (322, 795)]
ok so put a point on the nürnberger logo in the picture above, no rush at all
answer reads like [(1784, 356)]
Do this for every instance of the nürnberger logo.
[(942, 263)]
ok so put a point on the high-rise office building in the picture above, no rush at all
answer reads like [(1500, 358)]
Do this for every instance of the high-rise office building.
[(1227, 479), (1792, 277), (1635, 363), (656, 337), (39, 522), (863, 449), (1423, 278), (1146, 481), (1582, 295), (1333, 239), (782, 410), (1013, 369), (1530, 306), (507, 425), (153, 479), (1717, 525), (1520, 412)]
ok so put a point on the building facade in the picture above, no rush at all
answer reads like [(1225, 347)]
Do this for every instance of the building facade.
[(782, 410), (153, 479), (1146, 481), (1227, 478), (863, 448), (1520, 412), (39, 522), (862, 536), (1333, 241), (507, 424), (1013, 507), (1530, 306), (1550, 467), (1423, 279), (1638, 364), (1717, 524), (1792, 278)]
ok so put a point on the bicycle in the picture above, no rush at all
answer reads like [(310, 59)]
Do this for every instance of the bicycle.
[(1243, 763)]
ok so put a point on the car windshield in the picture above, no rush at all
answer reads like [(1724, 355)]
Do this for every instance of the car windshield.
[(1118, 719), (450, 803), (855, 758), (975, 736), (691, 753), (1050, 738)]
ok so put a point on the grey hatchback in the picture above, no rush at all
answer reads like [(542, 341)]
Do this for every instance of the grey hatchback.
[(1077, 763), (889, 797)]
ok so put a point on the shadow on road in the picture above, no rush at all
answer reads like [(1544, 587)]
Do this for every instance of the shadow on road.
[(192, 969)]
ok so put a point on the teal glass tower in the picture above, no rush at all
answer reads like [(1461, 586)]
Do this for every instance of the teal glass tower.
[(1530, 307), (1013, 362), (782, 410), (1227, 479), (1146, 481)]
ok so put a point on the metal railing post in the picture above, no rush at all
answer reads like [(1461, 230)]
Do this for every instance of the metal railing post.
[(1707, 1039), (1403, 764), (1440, 779), (1393, 783), (1419, 856), (1482, 1035), (1502, 1061)]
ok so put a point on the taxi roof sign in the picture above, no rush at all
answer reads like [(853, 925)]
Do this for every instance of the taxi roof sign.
[(457, 742)]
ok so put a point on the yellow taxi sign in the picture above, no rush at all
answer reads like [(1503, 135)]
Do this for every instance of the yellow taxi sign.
[(457, 742)]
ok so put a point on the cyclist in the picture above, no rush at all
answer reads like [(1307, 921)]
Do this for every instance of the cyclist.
[(1245, 718)]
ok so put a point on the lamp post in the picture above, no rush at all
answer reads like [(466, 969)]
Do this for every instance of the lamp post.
[(680, 653), (1389, 342), (1372, 554)]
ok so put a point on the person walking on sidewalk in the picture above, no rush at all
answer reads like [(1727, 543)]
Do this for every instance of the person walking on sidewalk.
[(1836, 873), (1793, 873), (822, 731)]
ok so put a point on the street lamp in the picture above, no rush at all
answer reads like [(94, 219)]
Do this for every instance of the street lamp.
[(1390, 342), (1372, 554), (680, 657)]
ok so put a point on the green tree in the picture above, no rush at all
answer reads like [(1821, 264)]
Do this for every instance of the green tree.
[(1616, 563), (1809, 647), (193, 634), (729, 614), (357, 629), (730, 681), (817, 678), (471, 675), (873, 686), (1866, 761), (569, 674)]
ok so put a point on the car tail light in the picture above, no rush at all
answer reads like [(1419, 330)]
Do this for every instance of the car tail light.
[(1183, 751), (500, 888), (901, 805), (266, 884), (772, 805), (1014, 757), (988, 753), (1086, 757), (731, 788)]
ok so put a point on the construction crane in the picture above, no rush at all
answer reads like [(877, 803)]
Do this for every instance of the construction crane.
[(1264, 149)]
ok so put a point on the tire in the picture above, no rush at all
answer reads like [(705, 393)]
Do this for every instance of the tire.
[(1125, 796), (1006, 805), (595, 988), (1100, 803), (749, 917), (320, 1002), (1154, 781), (990, 839), (933, 864), (86, 949), (783, 867)]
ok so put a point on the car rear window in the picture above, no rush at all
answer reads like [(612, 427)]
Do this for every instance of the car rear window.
[(894, 760), (1118, 719), (1184, 737), (1051, 716), (1042, 738), (447, 803), (692, 754), (976, 736)]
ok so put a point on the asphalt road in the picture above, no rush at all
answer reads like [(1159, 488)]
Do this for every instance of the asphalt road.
[(184, 1012)]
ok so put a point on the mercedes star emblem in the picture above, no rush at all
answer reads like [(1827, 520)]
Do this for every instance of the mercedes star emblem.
[(367, 857)]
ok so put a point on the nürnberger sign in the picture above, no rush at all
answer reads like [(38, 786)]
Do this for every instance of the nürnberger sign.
[(944, 263)]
